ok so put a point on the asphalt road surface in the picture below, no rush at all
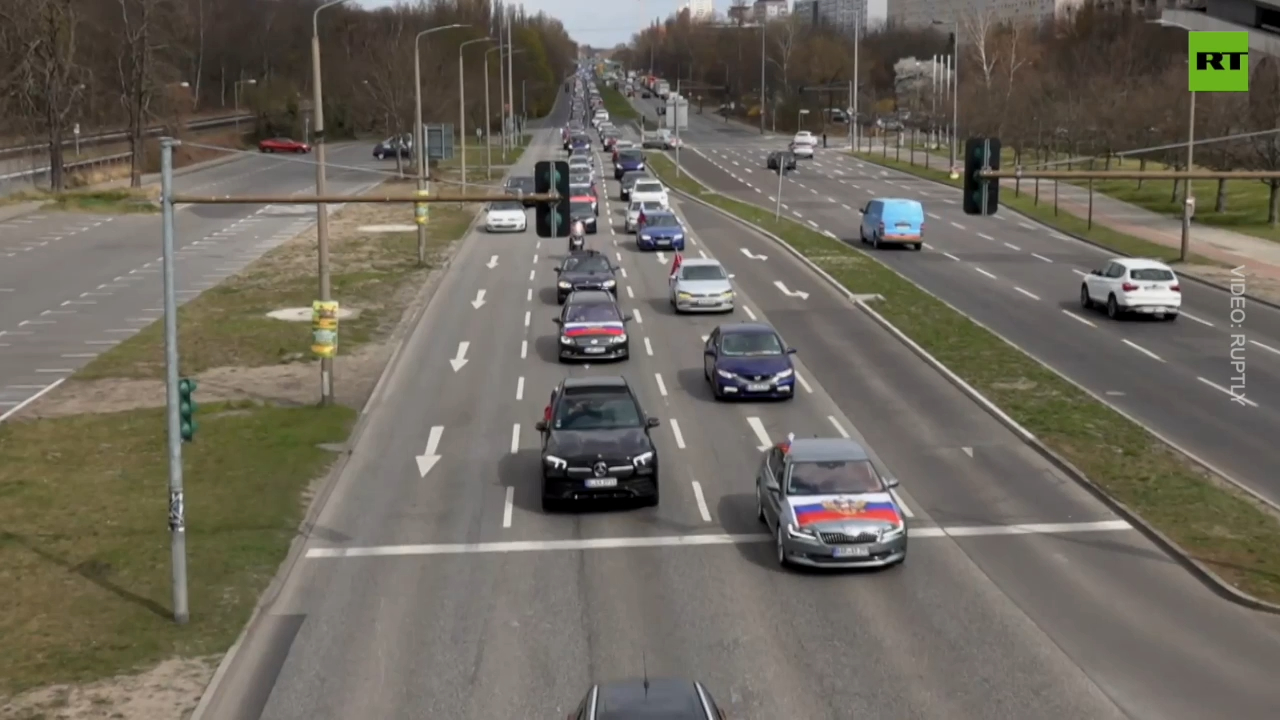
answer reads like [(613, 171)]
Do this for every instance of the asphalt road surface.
[(1022, 280), (72, 285), (452, 594)]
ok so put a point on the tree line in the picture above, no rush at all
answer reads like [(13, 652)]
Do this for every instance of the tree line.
[(1091, 82), (135, 64)]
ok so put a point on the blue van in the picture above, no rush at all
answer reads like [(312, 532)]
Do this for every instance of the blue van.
[(892, 221)]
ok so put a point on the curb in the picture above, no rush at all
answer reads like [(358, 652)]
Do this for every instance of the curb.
[(403, 330), (1077, 238), (1197, 569)]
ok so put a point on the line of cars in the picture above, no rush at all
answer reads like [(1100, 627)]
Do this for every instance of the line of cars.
[(823, 500)]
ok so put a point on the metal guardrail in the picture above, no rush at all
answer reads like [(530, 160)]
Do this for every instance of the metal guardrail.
[(121, 135), (68, 167)]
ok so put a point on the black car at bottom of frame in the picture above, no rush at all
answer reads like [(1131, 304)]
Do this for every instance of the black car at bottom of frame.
[(645, 699)]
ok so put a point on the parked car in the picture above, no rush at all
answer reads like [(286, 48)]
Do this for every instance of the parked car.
[(275, 145)]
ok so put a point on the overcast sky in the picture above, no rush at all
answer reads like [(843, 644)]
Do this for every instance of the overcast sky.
[(605, 24)]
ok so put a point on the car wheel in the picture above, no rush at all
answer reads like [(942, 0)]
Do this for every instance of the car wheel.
[(1113, 308), (380, 156), (549, 504), (780, 550), (875, 242), (1085, 301), (1171, 317), (760, 508), (652, 500), (862, 237), (918, 247)]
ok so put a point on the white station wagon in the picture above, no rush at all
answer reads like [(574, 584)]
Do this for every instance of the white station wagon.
[(1133, 286)]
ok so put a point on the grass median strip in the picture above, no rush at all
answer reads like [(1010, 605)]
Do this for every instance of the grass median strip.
[(1214, 523), (619, 106), (1043, 212), (83, 539)]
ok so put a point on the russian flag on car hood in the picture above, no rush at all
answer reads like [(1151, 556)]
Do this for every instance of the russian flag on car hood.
[(580, 329)]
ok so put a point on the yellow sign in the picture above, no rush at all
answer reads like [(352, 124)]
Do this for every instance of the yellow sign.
[(324, 328), (421, 214)]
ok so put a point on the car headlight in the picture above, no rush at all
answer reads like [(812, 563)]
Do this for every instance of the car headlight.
[(609, 283), (564, 285), (646, 237), (643, 459), (725, 375), (554, 462), (678, 236), (800, 533), (784, 374), (727, 294), (566, 340), (684, 296), (891, 532)]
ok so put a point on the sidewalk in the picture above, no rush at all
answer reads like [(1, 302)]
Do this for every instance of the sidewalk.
[(1261, 258)]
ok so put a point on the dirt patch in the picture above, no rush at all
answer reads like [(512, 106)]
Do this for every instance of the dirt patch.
[(166, 692), (1259, 286)]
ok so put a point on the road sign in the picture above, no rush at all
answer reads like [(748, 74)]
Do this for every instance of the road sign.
[(440, 142)]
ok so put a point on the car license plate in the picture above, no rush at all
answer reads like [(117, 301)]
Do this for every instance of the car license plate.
[(758, 387), (708, 301), (602, 482), (663, 242), (852, 551), (594, 350), (902, 226)]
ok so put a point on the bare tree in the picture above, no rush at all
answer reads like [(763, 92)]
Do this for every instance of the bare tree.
[(135, 73)]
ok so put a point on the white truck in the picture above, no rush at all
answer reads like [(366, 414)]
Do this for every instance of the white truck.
[(662, 89)]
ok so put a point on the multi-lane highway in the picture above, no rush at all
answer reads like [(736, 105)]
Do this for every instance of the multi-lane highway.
[(441, 589), (72, 285), (1022, 280)]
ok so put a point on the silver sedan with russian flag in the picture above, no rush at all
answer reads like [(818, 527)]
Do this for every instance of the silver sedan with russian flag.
[(828, 507)]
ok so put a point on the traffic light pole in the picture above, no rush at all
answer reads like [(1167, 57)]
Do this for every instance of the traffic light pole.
[(177, 500)]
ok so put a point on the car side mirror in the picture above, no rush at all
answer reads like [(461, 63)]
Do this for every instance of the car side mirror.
[(891, 482), (652, 422), (862, 211), (627, 318), (1095, 272), (709, 352), (791, 351), (540, 426), (771, 485), (557, 321), (558, 269)]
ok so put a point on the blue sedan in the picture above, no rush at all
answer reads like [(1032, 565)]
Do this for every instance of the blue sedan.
[(659, 231), (748, 360)]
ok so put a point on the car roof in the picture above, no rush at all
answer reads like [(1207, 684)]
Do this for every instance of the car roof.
[(613, 381), (590, 297), (899, 201), (700, 262), (661, 214), (744, 327), (1141, 264), (826, 450), (641, 699)]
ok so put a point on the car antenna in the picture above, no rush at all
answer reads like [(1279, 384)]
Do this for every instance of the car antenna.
[(644, 667)]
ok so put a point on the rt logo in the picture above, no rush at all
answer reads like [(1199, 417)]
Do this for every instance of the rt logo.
[(1219, 61)]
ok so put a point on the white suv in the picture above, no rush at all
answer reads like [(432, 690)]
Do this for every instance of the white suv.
[(803, 143), (645, 191), (1133, 285)]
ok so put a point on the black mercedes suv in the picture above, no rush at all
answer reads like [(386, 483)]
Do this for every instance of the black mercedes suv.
[(596, 444)]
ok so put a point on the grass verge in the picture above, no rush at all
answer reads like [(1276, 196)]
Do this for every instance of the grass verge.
[(1043, 212), (618, 105), (1214, 523), (227, 326), (84, 551)]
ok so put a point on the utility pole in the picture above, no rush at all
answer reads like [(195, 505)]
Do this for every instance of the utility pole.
[(854, 129), (177, 496), (502, 82), (511, 84), (322, 210)]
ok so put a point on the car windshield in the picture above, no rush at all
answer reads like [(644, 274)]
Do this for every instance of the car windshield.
[(580, 208), (597, 411), (591, 313), (630, 156), (508, 205), (661, 221), (1151, 274), (702, 272), (588, 264), (580, 189), (843, 477), (741, 344), (648, 187)]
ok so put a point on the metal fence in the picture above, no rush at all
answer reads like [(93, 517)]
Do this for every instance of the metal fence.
[(122, 135)]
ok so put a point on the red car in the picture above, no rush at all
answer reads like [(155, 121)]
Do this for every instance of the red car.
[(275, 145)]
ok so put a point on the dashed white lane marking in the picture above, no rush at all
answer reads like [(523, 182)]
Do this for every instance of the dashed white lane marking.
[(520, 388), (1041, 257), (515, 438), (1077, 318), (762, 435), (1028, 294), (1193, 318), (675, 431), (702, 502), (662, 387), (648, 347), (1142, 350), (1268, 348), (524, 349), (804, 383), (984, 272), (508, 505), (1235, 398), (749, 313)]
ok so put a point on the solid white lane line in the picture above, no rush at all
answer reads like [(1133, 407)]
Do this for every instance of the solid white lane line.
[(675, 430), (1024, 292), (702, 502), (762, 435), (508, 503), (662, 387), (520, 388), (1235, 398), (1142, 350), (515, 438), (1077, 318)]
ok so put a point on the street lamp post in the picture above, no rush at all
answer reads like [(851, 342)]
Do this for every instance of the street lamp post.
[(420, 138), (1189, 199), (462, 105), (511, 95), (955, 94), (488, 116), (322, 209), (854, 129), (502, 82)]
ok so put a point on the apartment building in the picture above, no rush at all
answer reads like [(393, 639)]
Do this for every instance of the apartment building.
[(766, 10), (700, 10), (840, 15)]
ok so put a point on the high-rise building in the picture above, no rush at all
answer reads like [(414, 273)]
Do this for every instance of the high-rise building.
[(842, 16), (699, 10), (764, 10), (918, 13)]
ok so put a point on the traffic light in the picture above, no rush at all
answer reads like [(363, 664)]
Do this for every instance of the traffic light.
[(187, 409), (552, 176), (981, 196)]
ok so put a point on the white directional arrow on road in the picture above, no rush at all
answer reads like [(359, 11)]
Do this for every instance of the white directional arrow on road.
[(461, 358), (790, 293), (753, 257), (662, 258), (493, 262), (479, 301), (429, 458)]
